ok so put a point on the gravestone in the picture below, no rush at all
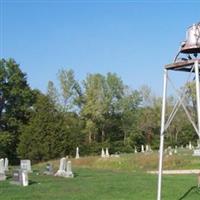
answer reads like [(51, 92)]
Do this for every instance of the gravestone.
[(77, 153), (6, 164), (190, 146), (69, 170), (170, 152), (147, 148), (103, 153), (20, 177), (2, 170), (107, 153), (196, 152), (48, 169), (142, 148), (176, 150), (135, 150), (25, 165), (64, 169)]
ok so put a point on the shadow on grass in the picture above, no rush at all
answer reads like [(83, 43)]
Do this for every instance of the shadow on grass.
[(30, 182), (192, 189)]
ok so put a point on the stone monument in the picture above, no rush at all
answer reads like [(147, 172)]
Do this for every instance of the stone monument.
[(25, 165), (48, 169), (77, 153), (64, 169), (107, 153), (2, 170), (20, 177), (103, 153), (6, 164), (142, 148)]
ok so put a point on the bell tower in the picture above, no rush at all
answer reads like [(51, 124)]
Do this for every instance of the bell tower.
[(187, 60)]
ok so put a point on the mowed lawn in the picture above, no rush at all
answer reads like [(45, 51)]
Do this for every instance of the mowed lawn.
[(96, 184)]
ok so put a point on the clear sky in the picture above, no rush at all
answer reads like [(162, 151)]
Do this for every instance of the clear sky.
[(131, 38)]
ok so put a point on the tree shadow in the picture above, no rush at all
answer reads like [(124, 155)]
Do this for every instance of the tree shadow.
[(30, 182), (194, 188)]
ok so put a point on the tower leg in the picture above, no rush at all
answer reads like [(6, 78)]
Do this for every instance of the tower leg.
[(162, 135), (197, 95)]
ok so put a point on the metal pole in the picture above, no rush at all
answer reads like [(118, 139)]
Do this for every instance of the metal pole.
[(162, 135), (197, 94)]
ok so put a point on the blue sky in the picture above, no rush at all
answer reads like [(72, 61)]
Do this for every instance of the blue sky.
[(131, 38)]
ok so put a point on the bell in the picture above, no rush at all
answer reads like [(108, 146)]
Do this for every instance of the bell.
[(192, 43)]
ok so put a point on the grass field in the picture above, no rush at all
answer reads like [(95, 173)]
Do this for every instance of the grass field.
[(108, 179)]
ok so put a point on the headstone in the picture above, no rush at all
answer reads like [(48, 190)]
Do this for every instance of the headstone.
[(24, 178), (190, 146), (20, 177), (48, 169), (25, 165), (103, 153), (69, 169), (107, 153), (175, 151), (147, 148), (6, 164), (142, 148), (196, 152), (64, 169), (170, 152), (135, 149), (2, 170), (77, 153)]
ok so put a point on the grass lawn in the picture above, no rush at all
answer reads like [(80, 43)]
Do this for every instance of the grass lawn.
[(123, 178), (95, 184)]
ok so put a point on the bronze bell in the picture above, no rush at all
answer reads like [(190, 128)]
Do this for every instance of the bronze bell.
[(192, 43)]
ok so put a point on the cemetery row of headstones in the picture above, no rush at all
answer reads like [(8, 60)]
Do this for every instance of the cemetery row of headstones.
[(144, 149)]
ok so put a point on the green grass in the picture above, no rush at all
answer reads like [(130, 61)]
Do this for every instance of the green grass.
[(90, 184), (121, 178)]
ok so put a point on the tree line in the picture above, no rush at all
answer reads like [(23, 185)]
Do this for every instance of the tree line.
[(101, 111)]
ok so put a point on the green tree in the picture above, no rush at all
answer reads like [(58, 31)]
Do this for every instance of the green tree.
[(17, 101)]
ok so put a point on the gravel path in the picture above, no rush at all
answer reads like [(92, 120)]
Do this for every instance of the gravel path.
[(171, 172)]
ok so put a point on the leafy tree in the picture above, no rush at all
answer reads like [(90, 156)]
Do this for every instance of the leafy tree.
[(15, 105), (40, 137)]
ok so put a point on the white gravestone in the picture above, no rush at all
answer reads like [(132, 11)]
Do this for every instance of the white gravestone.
[(196, 152), (6, 164), (170, 152), (69, 169), (103, 153), (190, 146), (142, 148), (107, 153), (64, 169), (147, 148), (20, 177), (25, 165), (2, 170), (77, 153), (135, 150), (24, 178)]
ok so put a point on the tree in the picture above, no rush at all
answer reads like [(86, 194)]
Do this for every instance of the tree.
[(15, 105), (70, 90), (40, 137)]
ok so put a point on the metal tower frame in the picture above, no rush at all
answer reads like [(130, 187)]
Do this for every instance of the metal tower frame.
[(192, 66)]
